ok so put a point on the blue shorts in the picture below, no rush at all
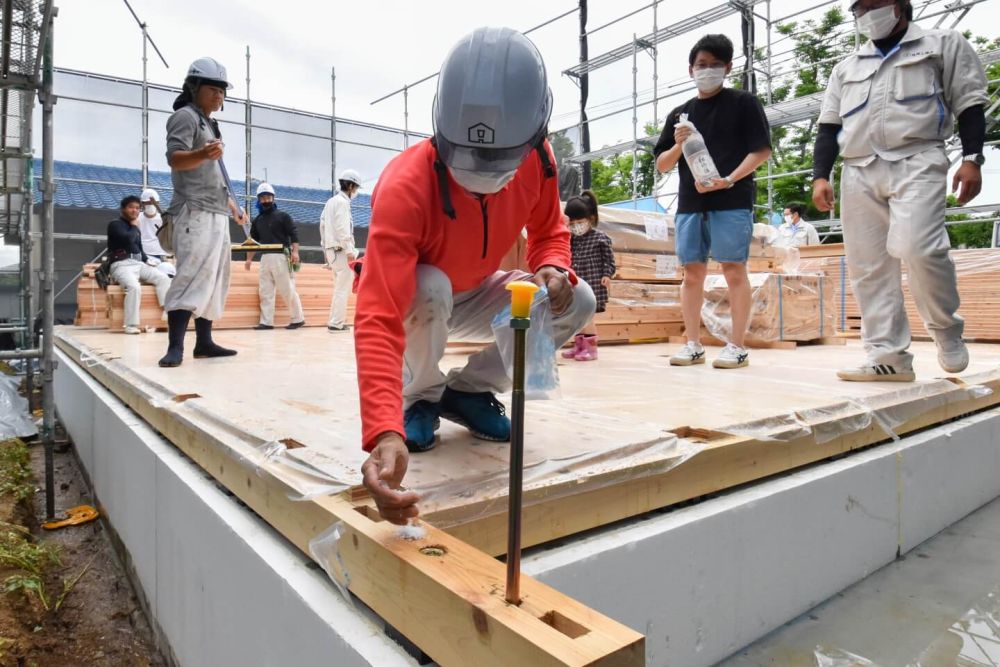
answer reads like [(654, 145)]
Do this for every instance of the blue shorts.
[(726, 234)]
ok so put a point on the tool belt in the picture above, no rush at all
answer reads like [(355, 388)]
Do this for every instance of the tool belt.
[(119, 255)]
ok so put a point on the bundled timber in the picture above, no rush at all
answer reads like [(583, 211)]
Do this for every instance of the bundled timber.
[(784, 308), (106, 308), (978, 275)]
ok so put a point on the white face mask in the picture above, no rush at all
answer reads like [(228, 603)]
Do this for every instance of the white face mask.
[(878, 23), (579, 228), (149, 210), (481, 184), (709, 79), (789, 220)]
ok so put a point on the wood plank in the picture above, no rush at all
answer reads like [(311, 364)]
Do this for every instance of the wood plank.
[(450, 605)]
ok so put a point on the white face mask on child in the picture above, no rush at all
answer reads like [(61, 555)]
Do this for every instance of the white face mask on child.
[(579, 228), (149, 210)]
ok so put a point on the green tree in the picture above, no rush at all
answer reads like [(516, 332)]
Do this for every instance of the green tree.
[(611, 177), (562, 146)]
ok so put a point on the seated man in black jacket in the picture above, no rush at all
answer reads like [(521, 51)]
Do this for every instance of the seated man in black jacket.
[(274, 227), (129, 265)]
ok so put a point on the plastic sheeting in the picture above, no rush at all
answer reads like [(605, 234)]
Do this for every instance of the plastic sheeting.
[(15, 419), (849, 415), (783, 307)]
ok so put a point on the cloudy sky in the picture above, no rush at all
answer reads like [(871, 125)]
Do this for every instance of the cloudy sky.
[(378, 47)]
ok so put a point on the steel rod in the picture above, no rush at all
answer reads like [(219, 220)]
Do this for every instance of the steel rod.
[(513, 594)]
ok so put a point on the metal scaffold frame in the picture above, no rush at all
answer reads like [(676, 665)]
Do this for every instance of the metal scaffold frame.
[(26, 70)]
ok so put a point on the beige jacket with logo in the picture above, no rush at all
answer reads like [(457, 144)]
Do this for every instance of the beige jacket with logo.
[(904, 103)]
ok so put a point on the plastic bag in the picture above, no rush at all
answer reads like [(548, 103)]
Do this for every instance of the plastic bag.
[(541, 376), (15, 421)]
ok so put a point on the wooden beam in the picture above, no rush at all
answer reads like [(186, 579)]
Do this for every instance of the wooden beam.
[(450, 604)]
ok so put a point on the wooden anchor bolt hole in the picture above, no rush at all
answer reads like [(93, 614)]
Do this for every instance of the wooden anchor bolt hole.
[(433, 550), (565, 625)]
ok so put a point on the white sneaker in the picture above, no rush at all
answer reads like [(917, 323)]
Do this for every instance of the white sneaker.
[(732, 356), (133, 330), (870, 372), (953, 355), (690, 354)]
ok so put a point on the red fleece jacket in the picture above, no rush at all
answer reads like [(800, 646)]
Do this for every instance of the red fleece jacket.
[(409, 227)]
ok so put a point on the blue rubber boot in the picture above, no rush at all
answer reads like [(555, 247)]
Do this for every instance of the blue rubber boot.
[(420, 421), (480, 412)]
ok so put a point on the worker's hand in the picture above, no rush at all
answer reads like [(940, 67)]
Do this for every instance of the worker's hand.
[(246, 264), (212, 150), (680, 134), (295, 257), (970, 177), (352, 256), (606, 282), (382, 474), (717, 184), (152, 261), (558, 286), (823, 194)]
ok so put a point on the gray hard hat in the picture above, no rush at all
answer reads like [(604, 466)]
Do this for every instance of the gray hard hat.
[(350, 176), (209, 70), (492, 106)]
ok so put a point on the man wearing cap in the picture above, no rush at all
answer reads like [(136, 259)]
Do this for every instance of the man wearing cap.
[(274, 227), (130, 267), (201, 206), (893, 104), (150, 223), (336, 235), (444, 213)]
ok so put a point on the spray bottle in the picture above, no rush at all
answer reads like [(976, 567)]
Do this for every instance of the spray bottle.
[(696, 153)]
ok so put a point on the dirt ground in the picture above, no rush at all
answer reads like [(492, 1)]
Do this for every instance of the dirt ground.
[(99, 622)]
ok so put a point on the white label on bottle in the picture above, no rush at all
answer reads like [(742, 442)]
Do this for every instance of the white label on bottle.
[(657, 230), (666, 266)]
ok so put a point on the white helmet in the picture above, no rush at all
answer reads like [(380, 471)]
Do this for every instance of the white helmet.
[(209, 70), (265, 189), (149, 194), (351, 176)]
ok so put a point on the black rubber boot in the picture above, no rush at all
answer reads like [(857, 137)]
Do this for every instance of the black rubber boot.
[(177, 323), (204, 346)]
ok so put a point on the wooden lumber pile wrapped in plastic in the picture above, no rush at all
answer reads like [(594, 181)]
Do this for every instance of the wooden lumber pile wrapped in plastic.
[(105, 308), (784, 307), (978, 277)]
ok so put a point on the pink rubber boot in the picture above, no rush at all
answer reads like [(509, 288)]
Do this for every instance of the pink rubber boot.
[(589, 351), (576, 349)]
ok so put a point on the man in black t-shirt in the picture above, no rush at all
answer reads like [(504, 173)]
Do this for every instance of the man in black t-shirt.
[(715, 217)]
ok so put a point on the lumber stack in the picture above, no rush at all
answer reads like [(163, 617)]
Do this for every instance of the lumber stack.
[(106, 308), (978, 275), (785, 307)]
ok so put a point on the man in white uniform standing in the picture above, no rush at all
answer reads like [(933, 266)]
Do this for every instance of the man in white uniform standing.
[(201, 206), (150, 223), (336, 235), (893, 102), (795, 232)]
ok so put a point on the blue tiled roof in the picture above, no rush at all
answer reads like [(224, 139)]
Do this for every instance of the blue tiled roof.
[(81, 185)]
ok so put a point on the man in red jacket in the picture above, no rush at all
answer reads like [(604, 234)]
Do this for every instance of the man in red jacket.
[(444, 214)]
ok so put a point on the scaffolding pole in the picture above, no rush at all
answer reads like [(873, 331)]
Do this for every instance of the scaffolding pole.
[(248, 129), (47, 278), (333, 129)]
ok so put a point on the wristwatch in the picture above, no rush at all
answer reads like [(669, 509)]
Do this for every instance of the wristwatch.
[(729, 180), (977, 158)]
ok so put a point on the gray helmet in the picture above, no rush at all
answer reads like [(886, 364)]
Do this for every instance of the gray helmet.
[(492, 107), (209, 70)]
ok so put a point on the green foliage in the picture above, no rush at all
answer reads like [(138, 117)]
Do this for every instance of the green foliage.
[(15, 473), (29, 584), (611, 177), (19, 551), (562, 146)]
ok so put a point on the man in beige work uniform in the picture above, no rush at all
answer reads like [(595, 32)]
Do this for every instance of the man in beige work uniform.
[(893, 103), (336, 235)]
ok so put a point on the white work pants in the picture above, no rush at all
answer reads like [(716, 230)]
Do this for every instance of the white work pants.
[(894, 212), (275, 277), (131, 274), (343, 280), (203, 253), (437, 313)]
